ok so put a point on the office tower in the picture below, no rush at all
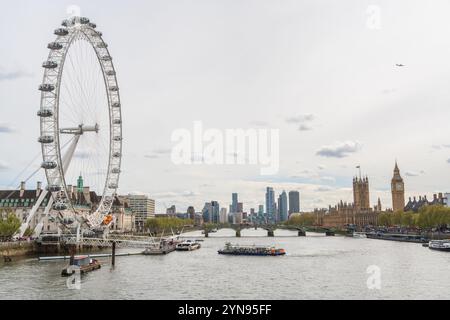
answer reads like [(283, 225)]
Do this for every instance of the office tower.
[(215, 212), (294, 202), (143, 208), (234, 203), (270, 204), (283, 207)]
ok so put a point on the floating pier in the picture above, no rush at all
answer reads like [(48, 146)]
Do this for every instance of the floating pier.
[(100, 255)]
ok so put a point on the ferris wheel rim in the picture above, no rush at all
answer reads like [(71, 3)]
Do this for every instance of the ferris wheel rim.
[(78, 28)]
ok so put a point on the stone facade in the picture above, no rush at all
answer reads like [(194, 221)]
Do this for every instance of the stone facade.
[(358, 213)]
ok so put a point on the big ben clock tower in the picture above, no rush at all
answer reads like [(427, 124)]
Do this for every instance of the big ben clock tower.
[(398, 190)]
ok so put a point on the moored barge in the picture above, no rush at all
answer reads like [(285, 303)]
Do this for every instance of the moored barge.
[(416, 238), (254, 250), (83, 263)]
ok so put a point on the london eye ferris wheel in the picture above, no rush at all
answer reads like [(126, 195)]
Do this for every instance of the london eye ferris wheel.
[(80, 120)]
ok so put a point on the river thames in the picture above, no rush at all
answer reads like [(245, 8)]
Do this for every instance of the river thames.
[(315, 267)]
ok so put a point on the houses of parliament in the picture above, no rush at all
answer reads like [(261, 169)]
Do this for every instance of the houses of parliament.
[(360, 213)]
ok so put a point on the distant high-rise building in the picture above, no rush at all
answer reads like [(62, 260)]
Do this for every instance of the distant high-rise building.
[(261, 209), (143, 208), (294, 202), (397, 190), (215, 212), (172, 210), (277, 211), (270, 203), (191, 213), (206, 212), (240, 207), (234, 203), (283, 207), (223, 215)]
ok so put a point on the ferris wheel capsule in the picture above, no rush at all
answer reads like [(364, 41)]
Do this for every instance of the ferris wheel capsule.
[(46, 87), (83, 20), (46, 139), (45, 113), (55, 46), (49, 64), (61, 32), (54, 188), (60, 206), (49, 165)]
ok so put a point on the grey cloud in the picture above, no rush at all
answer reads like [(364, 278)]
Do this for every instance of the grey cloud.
[(440, 146), (6, 128), (414, 174), (324, 189), (170, 195), (329, 179), (301, 118), (162, 151), (339, 149), (3, 165), (5, 76), (304, 127), (157, 153)]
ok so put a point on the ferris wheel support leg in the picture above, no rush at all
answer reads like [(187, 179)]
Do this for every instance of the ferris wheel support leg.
[(66, 162), (40, 225), (70, 151), (78, 233), (34, 209)]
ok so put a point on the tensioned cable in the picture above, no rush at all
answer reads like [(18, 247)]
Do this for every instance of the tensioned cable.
[(36, 171)]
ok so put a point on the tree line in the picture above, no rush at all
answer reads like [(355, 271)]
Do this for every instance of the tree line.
[(428, 217), (160, 224)]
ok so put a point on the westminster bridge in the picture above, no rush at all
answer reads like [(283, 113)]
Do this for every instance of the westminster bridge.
[(270, 228)]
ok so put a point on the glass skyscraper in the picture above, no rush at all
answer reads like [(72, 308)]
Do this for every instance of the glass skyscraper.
[(270, 204), (294, 202)]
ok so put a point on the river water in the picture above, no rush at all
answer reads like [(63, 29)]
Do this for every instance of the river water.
[(315, 267)]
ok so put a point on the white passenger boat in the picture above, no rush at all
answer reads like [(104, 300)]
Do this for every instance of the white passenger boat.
[(188, 245), (440, 245), (359, 235)]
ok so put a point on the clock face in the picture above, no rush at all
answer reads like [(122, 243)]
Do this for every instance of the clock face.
[(399, 186)]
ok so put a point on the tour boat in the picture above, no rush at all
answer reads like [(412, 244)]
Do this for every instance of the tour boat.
[(359, 235), (83, 263), (251, 250), (441, 245), (164, 247), (188, 245), (416, 238)]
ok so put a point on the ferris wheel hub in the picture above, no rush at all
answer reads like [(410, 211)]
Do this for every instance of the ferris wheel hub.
[(80, 129)]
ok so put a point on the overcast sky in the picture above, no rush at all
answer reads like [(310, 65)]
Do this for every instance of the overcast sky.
[(322, 72)]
